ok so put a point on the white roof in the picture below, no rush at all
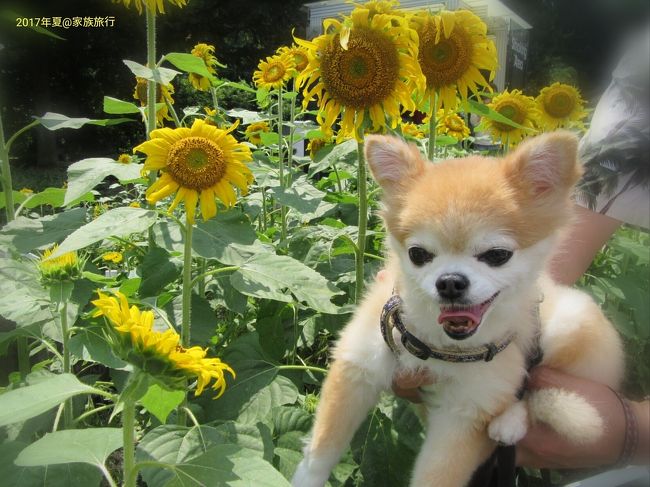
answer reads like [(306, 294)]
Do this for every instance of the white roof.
[(483, 8)]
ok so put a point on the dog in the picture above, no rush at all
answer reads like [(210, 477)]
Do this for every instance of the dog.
[(466, 299)]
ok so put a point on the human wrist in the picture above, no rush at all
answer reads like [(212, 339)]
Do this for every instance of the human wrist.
[(641, 410)]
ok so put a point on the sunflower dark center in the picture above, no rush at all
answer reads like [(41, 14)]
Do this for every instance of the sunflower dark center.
[(513, 112), (196, 163), (141, 91), (446, 61), (365, 73), (455, 124), (559, 105), (274, 72), (300, 60)]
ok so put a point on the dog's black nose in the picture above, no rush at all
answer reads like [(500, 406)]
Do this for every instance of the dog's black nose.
[(452, 286)]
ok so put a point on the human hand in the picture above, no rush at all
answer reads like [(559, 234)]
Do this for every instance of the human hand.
[(542, 447), (406, 384)]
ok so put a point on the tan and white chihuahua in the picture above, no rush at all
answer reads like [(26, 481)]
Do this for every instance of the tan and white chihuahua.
[(468, 240)]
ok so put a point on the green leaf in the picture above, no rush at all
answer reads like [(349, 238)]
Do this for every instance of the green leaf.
[(482, 110), (202, 317), (303, 197), (115, 106), (190, 64), (25, 234), (23, 299), (229, 238), (445, 140), (269, 138), (84, 175), (246, 116), (256, 390), (157, 270), (70, 475), (56, 121), (11, 16), (283, 278), (27, 402), (91, 446), (55, 197), (89, 344), (347, 151), (117, 222), (174, 445), (160, 402), (18, 198), (239, 86), (162, 76), (383, 460), (227, 465)]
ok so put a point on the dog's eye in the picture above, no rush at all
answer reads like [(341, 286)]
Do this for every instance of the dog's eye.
[(495, 257), (420, 256)]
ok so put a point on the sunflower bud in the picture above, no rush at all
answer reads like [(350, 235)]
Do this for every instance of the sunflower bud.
[(66, 267)]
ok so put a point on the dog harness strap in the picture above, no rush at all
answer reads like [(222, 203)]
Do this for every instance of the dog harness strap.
[(391, 318)]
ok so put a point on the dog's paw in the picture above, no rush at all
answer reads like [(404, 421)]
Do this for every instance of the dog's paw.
[(511, 425), (308, 477)]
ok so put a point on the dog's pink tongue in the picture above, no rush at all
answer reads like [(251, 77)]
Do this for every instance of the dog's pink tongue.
[(473, 313)]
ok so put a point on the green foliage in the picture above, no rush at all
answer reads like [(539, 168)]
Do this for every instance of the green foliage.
[(618, 280), (267, 285)]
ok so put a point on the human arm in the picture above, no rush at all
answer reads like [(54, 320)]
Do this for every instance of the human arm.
[(544, 448), (579, 245)]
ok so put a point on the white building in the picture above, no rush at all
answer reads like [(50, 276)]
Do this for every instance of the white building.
[(507, 29)]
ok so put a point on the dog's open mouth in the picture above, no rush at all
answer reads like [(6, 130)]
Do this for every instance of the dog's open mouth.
[(461, 321)]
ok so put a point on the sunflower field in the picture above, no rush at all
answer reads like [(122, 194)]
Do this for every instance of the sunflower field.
[(171, 309)]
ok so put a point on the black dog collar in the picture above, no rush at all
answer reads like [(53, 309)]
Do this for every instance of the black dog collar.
[(391, 318)]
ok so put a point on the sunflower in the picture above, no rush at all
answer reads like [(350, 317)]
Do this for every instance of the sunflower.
[(453, 48), (124, 159), (151, 5), (317, 144), (363, 68), (163, 95), (451, 124), (300, 58), (206, 53), (253, 131), (560, 105), (198, 164), (412, 130), (65, 267), (517, 107), (114, 257), (275, 71), (158, 353)]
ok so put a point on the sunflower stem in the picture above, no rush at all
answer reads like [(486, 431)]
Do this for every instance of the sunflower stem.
[(292, 115), (128, 437), (65, 335), (283, 210), (187, 287), (151, 62), (200, 279), (363, 221), (170, 107), (215, 100), (433, 100), (188, 284), (7, 185), (264, 215), (151, 96), (24, 366)]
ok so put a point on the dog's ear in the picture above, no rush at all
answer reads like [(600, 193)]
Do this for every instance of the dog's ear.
[(393, 162), (545, 166)]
